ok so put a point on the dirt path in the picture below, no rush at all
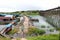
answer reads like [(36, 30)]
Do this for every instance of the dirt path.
[(23, 39), (26, 24), (19, 39), (13, 39), (22, 33)]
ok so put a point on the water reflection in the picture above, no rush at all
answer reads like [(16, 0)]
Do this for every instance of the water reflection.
[(42, 21)]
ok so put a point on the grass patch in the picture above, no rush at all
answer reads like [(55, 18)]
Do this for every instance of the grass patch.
[(45, 37), (13, 31), (3, 38), (18, 39), (35, 31)]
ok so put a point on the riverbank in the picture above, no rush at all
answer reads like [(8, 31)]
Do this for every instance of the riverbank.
[(45, 37)]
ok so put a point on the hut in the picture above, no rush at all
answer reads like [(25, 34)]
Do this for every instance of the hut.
[(5, 19)]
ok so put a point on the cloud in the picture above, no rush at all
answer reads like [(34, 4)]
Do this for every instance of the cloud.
[(14, 5)]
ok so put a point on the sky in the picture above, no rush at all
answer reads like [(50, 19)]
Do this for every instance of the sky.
[(19, 5)]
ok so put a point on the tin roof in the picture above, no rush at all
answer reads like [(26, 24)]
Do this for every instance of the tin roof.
[(6, 15), (9, 16)]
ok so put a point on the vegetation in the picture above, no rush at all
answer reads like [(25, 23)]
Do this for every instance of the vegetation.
[(13, 31), (17, 38), (43, 26), (51, 30), (45, 37), (3, 38), (58, 29), (35, 31), (22, 12), (1, 23)]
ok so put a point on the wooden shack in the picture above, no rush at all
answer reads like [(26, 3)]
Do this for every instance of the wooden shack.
[(5, 19)]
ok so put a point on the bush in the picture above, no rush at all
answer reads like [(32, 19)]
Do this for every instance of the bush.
[(43, 26), (13, 31), (51, 30), (35, 31), (58, 29)]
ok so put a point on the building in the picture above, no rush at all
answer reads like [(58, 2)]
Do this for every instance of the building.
[(4, 18)]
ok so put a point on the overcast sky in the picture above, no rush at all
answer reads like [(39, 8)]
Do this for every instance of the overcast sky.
[(18, 5)]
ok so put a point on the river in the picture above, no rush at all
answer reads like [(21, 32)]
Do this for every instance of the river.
[(41, 22)]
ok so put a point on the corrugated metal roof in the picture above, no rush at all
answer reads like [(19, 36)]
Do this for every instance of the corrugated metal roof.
[(6, 15), (9, 16)]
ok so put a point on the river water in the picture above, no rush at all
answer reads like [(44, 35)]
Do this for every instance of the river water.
[(41, 22)]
